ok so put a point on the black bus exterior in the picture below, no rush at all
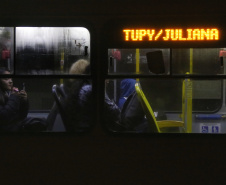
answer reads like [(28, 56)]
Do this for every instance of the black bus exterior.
[(100, 156)]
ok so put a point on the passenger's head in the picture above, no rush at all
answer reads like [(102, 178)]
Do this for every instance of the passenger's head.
[(80, 67), (127, 87), (6, 84)]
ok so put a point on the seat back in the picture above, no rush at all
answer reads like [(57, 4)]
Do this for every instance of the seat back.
[(60, 98), (153, 126), (155, 62), (51, 118)]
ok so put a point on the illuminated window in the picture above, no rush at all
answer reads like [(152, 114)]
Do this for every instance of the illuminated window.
[(171, 97), (44, 58), (7, 47), (50, 50)]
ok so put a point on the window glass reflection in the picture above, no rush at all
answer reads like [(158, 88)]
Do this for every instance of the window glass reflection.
[(7, 48), (143, 102), (139, 61), (197, 61), (73, 113), (50, 50), (153, 61)]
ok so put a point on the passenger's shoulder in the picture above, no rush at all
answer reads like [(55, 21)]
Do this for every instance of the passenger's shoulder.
[(87, 87)]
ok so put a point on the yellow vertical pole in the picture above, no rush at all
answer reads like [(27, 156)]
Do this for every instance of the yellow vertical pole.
[(183, 102), (189, 105), (189, 91), (187, 97), (191, 60), (137, 62)]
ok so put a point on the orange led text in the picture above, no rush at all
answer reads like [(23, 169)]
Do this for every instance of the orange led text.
[(171, 34)]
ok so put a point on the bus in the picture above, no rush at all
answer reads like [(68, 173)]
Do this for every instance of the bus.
[(175, 59)]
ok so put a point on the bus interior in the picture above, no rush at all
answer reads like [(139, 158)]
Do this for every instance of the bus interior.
[(181, 84)]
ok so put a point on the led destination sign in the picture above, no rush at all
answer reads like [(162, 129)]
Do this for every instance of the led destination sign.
[(171, 34)]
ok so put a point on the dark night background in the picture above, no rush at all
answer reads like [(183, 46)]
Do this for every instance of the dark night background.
[(99, 157)]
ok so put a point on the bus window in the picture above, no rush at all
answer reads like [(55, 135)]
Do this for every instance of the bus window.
[(137, 61), (202, 61), (168, 99), (154, 86), (176, 71), (39, 92), (75, 104), (50, 50), (51, 75), (7, 47), (206, 94)]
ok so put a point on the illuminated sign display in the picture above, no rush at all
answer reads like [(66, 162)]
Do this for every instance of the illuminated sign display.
[(171, 34)]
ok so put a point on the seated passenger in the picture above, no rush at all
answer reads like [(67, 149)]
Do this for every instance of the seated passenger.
[(127, 87), (14, 109), (80, 99), (132, 114)]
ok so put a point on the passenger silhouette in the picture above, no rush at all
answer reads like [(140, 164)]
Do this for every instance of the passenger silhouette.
[(14, 108)]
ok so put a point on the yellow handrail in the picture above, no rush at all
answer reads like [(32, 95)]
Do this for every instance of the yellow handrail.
[(187, 98)]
